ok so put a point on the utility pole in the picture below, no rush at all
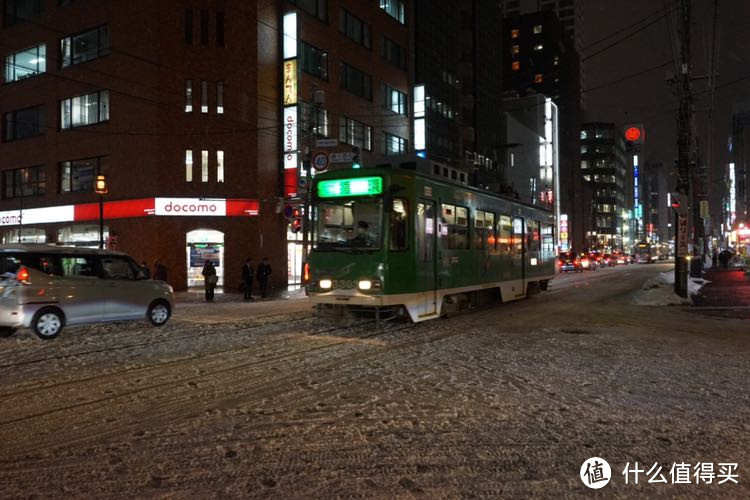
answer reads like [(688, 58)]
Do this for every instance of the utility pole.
[(684, 124)]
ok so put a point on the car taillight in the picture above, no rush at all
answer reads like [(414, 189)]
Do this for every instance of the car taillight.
[(23, 275), (307, 272)]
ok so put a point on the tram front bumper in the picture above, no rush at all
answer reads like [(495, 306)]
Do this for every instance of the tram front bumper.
[(353, 297)]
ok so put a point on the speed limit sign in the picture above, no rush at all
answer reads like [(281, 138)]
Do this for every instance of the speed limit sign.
[(320, 161)]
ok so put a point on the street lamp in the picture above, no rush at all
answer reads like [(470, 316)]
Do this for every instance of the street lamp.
[(101, 189)]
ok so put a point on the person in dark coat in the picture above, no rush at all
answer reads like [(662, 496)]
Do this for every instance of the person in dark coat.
[(160, 271), (248, 274), (724, 257), (210, 280), (146, 270), (264, 271)]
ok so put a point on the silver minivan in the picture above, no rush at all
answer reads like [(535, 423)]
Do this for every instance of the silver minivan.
[(45, 287)]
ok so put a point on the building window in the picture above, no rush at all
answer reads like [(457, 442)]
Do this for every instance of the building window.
[(204, 97), (313, 60), (516, 50), (355, 133), (78, 176), (556, 61), (538, 78), (17, 11), (355, 81), (394, 145), (204, 27), (84, 110), (204, 165), (394, 53), (219, 29), (395, 100), (538, 46), (537, 29), (23, 123), (84, 47), (188, 96), (394, 8), (516, 66), (26, 63), (219, 166), (515, 33), (188, 165), (354, 28), (30, 181), (189, 26), (219, 98), (319, 121), (316, 8)]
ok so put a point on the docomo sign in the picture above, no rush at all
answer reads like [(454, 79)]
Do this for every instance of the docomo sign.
[(290, 128), (43, 215), (189, 206)]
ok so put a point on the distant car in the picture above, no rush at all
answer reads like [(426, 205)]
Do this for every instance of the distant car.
[(45, 288), (593, 261), (621, 258), (609, 260), (569, 261)]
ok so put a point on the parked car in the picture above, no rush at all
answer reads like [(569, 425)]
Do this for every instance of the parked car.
[(569, 261), (45, 288)]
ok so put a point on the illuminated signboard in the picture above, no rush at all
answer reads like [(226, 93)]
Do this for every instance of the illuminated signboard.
[(360, 186), (290, 129), (290, 82)]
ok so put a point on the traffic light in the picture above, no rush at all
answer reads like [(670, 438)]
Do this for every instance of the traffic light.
[(678, 204), (355, 158), (296, 220)]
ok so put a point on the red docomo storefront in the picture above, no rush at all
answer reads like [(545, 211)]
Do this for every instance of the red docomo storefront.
[(182, 233)]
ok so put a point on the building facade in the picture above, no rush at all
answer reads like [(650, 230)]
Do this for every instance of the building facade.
[(603, 167)]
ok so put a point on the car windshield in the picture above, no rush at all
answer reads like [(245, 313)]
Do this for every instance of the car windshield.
[(349, 225)]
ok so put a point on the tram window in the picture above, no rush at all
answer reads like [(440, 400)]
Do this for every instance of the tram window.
[(479, 230), (349, 224), (425, 229), (489, 230), (532, 235), (504, 239), (455, 227), (517, 240), (399, 221)]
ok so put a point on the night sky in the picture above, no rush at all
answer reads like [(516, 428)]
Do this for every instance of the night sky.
[(647, 98)]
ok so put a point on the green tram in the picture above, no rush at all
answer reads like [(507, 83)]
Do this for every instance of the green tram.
[(397, 239)]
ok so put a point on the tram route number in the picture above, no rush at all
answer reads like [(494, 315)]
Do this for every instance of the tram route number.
[(343, 284)]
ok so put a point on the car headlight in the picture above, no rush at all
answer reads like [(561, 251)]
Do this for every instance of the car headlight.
[(325, 284)]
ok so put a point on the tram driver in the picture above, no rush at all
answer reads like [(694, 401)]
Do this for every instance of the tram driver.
[(363, 237)]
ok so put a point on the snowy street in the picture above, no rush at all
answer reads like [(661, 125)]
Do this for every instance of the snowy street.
[(262, 399)]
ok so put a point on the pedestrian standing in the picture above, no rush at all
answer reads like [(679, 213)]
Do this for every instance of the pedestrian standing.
[(209, 280), (264, 271), (247, 278), (160, 271)]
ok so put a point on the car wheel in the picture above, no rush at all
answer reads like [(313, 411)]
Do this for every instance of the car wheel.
[(7, 331), (159, 312), (47, 323)]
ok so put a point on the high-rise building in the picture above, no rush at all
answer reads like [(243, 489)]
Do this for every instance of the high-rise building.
[(604, 168), (199, 114), (738, 175)]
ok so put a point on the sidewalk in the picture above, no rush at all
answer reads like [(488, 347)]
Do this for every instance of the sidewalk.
[(231, 307), (728, 290)]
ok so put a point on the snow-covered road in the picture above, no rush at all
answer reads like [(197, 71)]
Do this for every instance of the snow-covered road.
[(244, 400)]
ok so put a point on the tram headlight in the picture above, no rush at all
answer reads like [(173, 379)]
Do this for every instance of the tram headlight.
[(364, 284), (325, 284)]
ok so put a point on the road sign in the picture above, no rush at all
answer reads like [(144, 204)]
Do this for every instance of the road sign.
[(320, 161), (342, 157), (682, 236), (302, 182), (326, 143)]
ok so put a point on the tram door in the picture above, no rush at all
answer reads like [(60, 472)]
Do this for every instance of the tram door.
[(519, 257), (426, 246)]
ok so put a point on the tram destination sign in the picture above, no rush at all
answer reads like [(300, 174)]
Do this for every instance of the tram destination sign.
[(358, 186)]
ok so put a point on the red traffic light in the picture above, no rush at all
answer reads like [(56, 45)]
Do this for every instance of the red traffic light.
[(296, 224), (633, 134)]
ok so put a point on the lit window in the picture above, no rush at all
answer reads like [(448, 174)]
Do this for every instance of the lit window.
[(204, 166), (394, 8), (188, 96), (204, 97), (537, 29), (538, 78), (84, 46), (220, 166), (516, 50), (188, 165), (515, 33), (26, 63), (516, 65), (84, 110), (219, 98), (538, 46)]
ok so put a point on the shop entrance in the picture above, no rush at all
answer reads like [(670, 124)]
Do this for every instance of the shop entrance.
[(81, 235), (25, 235), (202, 245)]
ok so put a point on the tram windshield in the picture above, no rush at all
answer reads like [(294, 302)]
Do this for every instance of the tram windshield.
[(349, 224)]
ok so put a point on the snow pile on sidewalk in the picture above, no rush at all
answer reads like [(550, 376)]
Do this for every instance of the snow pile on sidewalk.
[(659, 291)]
